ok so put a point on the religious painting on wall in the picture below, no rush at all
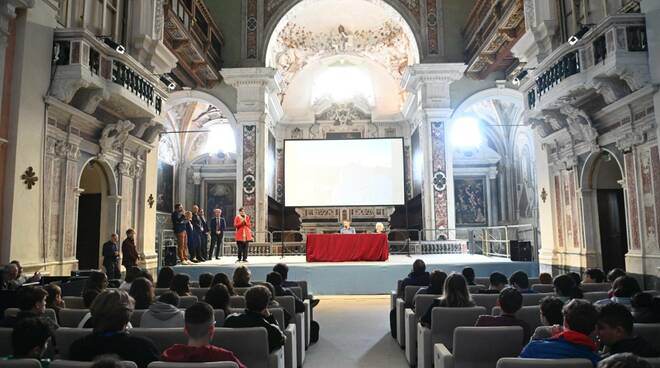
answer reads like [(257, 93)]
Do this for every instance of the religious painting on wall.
[(525, 180), (271, 165), (471, 204), (343, 135), (165, 187), (221, 195)]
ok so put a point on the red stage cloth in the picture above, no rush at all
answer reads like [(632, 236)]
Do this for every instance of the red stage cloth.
[(347, 247)]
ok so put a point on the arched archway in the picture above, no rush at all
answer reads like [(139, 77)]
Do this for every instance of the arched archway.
[(97, 212), (604, 207)]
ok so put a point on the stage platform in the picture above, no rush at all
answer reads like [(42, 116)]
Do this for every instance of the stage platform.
[(360, 278)]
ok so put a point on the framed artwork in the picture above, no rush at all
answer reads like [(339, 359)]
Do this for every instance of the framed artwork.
[(221, 195), (343, 135), (471, 202), (165, 187)]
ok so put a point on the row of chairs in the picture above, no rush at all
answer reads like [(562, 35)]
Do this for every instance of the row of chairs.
[(62, 363)]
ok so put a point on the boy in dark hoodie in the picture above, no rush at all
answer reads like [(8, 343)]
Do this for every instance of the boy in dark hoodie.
[(200, 327), (615, 331), (574, 341)]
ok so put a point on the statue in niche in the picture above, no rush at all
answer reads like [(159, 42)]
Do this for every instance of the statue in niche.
[(115, 135)]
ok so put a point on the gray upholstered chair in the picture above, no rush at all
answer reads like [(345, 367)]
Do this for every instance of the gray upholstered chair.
[(187, 301), (655, 362), (5, 341), (534, 298), (20, 363), (65, 336), (49, 313), (401, 304), (543, 363), (482, 281), (163, 338), (530, 314), (487, 301), (534, 280), (422, 303), (595, 296), (543, 288), (72, 317), (298, 319), (250, 346), (443, 323), (219, 315), (200, 293), (237, 301), (476, 288), (74, 302), (59, 363), (161, 291), (136, 317), (649, 332), (192, 365), (479, 347), (240, 290), (590, 288)]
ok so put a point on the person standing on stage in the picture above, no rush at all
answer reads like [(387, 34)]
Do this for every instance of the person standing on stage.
[(204, 238), (111, 257), (193, 239), (197, 233), (346, 228), (218, 226), (179, 224), (243, 234), (130, 255)]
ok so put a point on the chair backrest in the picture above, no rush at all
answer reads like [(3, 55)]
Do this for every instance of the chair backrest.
[(161, 291), (237, 301), (297, 291), (649, 332), (200, 293), (543, 288), (543, 363), (304, 287), (136, 317), (72, 317), (20, 363), (194, 284), (589, 288), (193, 365), (409, 294), (250, 345), (73, 287), (65, 336), (534, 298), (655, 362), (530, 314), (481, 347), (482, 281), (534, 280), (5, 341), (49, 313), (163, 338), (595, 296), (542, 332), (487, 301), (219, 317), (59, 363), (240, 290), (288, 304), (74, 302), (278, 313), (187, 301), (422, 304), (476, 288), (445, 320)]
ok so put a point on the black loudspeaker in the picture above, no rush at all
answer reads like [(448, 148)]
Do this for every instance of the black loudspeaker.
[(521, 251), (169, 256)]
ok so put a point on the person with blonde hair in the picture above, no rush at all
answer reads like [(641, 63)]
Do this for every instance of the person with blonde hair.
[(455, 295), (380, 228), (111, 312)]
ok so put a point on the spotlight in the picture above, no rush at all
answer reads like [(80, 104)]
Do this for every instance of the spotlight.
[(117, 47), (465, 132), (518, 78), (167, 80), (578, 36)]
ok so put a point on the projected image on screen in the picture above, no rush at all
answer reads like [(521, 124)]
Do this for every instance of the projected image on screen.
[(352, 172)]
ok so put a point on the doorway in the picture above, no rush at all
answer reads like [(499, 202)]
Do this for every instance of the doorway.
[(611, 212), (92, 217)]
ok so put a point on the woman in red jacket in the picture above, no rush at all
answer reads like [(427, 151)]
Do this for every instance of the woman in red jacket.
[(243, 234)]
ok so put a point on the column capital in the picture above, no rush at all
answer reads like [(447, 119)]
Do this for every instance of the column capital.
[(428, 84), (269, 78)]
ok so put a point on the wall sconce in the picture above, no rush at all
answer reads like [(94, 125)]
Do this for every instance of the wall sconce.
[(151, 201), (544, 195), (29, 177)]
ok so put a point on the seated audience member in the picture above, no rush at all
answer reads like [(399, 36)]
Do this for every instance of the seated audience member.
[(283, 270), (418, 277), (146, 274), (614, 274), (132, 273), (142, 291), (222, 278), (30, 339), (111, 312), (97, 281), (21, 278), (623, 289), (436, 284), (88, 299), (181, 284), (510, 300), (498, 282), (594, 276), (468, 273), (615, 332), (109, 361), (10, 277), (520, 281), (199, 328), (645, 308), (545, 278), (454, 295), (257, 315), (54, 299), (574, 341), (205, 280), (165, 277), (164, 313), (218, 298), (624, 360), (550, 308), (576, 278), (242, 277), (565, 288), (275, 279), (31, 302)]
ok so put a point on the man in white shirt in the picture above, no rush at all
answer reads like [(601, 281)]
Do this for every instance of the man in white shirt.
[(346, 228)]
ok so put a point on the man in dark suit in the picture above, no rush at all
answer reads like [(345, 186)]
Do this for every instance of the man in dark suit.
[(197, 231), (204, 237), (217, 229), (130, 255), (111, 257), (257, 315)]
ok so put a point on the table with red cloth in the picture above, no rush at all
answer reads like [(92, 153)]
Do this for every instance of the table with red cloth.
[(347, 247)]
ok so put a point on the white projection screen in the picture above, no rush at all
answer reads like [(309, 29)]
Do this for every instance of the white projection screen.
[(343, 172)]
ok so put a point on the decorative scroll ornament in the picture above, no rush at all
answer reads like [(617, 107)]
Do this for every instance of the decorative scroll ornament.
[(439, 181), (151, 201), (29, 177), (249, 184), (544, 195)]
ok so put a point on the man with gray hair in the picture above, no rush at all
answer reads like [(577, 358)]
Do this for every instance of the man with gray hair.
[(111, 257), (200, 327)]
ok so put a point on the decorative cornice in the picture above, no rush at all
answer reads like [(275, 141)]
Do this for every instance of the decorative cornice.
[(431, 73)]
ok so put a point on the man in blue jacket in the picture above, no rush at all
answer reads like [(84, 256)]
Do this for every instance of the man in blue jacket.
[(574, 341)]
